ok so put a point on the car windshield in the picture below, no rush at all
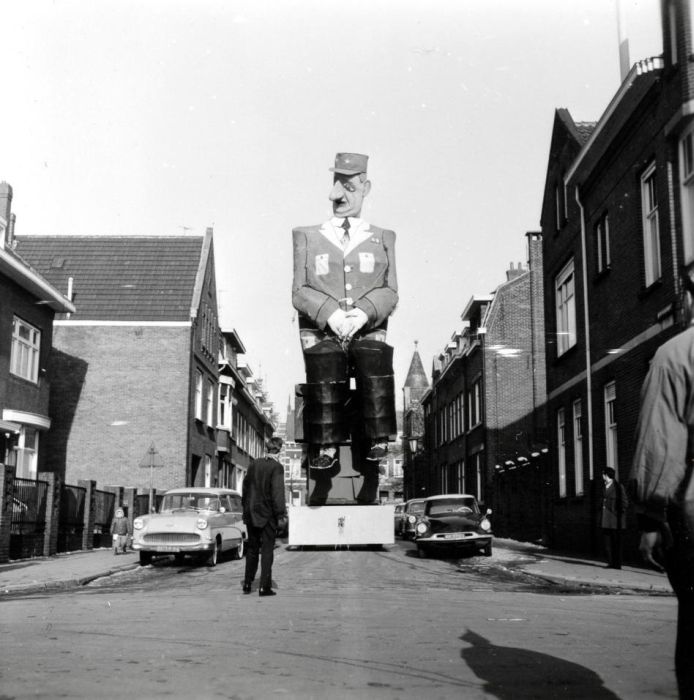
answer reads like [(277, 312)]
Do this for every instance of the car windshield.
[(416, 507), (189, 501), (453, 505)]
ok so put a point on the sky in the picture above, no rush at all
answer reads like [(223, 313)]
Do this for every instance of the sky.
[(165, 117)]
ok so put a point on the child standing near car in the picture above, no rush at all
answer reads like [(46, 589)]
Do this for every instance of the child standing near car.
[(120, 530)]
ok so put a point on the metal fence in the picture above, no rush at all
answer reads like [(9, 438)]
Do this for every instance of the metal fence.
[(141, 505), (71, 523), (103, 514), (28, 518)]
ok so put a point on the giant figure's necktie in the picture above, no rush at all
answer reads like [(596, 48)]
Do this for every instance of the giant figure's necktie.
[(344, 241)]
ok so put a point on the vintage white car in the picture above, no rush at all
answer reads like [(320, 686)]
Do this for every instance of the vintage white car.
[(199, 521)]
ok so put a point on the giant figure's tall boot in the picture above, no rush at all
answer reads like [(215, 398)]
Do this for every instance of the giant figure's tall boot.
[(373, 365), (325, 394)]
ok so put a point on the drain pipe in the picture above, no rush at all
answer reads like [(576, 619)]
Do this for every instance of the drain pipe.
[(586, 331)]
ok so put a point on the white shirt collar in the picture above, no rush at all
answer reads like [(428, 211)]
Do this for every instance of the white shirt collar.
[(358, 231)]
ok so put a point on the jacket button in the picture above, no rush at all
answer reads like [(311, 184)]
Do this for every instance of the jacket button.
[(348, 268), (348, 286), (349, 300)]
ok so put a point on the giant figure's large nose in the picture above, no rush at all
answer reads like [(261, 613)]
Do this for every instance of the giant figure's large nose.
[(337, 192)]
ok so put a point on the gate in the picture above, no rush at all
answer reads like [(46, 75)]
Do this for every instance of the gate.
[(71, 525), (28, 524), (104, 508)]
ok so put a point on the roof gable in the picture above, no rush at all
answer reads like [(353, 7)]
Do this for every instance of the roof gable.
[(120, 278)]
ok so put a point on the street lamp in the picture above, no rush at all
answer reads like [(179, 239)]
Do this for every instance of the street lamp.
[(413, 443)]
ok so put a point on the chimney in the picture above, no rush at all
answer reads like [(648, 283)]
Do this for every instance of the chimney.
[(514, 272), (5, 212)]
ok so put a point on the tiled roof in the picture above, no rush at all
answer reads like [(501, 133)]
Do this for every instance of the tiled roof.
[(585, 129), (119, 278)]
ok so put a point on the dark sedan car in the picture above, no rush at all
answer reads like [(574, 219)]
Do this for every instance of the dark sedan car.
[(413, 509), (453, 521)]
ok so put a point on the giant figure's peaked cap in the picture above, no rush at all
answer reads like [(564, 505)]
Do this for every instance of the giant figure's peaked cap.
[(350, 163)]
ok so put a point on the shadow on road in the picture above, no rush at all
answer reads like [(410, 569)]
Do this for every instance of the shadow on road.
[(510, 673)]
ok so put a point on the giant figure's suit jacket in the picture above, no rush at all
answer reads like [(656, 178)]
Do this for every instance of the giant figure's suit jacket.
[(327, 278)]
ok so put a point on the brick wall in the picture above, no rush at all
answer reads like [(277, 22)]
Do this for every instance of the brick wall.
[(115, 390)]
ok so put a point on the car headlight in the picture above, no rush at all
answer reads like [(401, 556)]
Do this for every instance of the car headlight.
[(138, 523), (202, 523), (422, 528), (485, 525), (411, 519)]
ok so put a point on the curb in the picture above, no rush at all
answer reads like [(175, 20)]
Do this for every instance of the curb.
[(62, 584)]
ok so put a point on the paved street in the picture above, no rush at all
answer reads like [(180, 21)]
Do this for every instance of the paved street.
[(345, 624)]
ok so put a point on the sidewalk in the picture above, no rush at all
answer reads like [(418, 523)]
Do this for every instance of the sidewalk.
[(76, 569), (574, 570), (62, 571)]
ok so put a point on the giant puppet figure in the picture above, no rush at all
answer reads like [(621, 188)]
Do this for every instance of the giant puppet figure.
[(344, 290)]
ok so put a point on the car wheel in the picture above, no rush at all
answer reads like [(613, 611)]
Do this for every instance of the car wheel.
[(421, 552), (240, 550), (145, 558), (487, 551), (214, 554)]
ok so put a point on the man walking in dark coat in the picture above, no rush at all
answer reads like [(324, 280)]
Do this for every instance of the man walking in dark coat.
[(263, 508), (662, 477)]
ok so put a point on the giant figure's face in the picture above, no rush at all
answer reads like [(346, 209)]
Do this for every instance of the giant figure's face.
[(347, 194)]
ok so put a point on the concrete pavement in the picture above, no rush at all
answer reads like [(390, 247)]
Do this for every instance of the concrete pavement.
[(76, 569)]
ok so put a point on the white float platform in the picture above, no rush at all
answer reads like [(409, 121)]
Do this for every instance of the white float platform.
[(341, 525)]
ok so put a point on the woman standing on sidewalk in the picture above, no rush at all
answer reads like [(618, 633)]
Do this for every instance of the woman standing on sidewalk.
[(614, 508)]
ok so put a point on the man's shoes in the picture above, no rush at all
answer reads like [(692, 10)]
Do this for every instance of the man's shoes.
[(377, 452), (266, 591), (322, 462), (246, 587)]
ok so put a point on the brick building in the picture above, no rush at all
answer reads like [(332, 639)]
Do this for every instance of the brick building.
[(28, 305), (484, 407), (135, 364), (245, 418), (617, 224)]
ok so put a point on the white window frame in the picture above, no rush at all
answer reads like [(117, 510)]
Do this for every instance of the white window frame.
[(565, 302), (561, 452), (474, 407), (686, 151), (610, 401), (26, 453), (208, 470), (602, 242), (650, 226), (209, 404), (198, 394), (26, 351), (578, 446)]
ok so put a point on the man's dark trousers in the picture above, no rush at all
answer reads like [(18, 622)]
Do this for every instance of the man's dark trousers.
[(679, 564), (261, 545)]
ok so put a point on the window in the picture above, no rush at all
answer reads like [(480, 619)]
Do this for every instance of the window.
[(477, 474), (26, 346), (651, 233), (566, 309), (26, 452), (198, 394), (610, 426), (209, 407), (578, 448), (602, 243), (687, 192), (208, 471), (473, 405), (561, 455)]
